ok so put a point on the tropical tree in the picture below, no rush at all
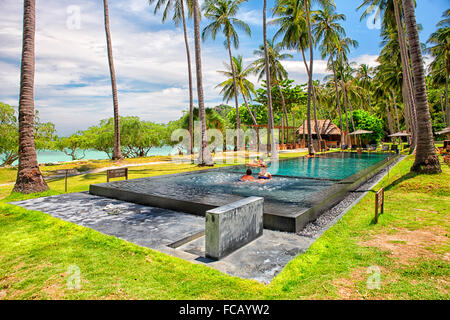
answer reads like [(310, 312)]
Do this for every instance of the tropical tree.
[(426, 160), (440, 51), (391, 11), (44, 135), (179, 16), (223, 13), (271, 135), (364, 76), (328, 33), (243, 86), (29, 177), (117, 154), (204, 158), (278, 72)]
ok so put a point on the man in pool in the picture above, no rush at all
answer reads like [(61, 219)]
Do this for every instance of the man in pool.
[(248, 176)]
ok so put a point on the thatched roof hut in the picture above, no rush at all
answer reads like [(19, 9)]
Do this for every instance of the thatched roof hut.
[(326, 127)]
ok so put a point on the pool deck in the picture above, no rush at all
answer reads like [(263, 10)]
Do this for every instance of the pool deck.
[(278, 216)]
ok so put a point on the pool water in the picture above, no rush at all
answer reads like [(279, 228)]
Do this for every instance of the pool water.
[(295, 181), (333, 166)]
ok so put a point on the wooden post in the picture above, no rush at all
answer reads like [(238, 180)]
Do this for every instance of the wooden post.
[(65, 189), (379, 203)]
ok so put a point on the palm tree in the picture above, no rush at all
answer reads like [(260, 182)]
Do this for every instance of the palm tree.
[(278, 72), (204, 157), (29, 177), (307, 5), (392, 19), (364, 76), (328, 33), (223, 15), (177, 6), (440, 50), (117, 154), (271, 136), (426, 160), (243, 85)]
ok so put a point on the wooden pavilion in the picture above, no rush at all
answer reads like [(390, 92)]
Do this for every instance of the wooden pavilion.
[(329, 132)]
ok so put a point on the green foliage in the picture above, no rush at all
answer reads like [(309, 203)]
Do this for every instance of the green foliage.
[(213, 119), (137, 137), (295, 97), (365, 121), (74, 146), (44, 134), (259, 111)]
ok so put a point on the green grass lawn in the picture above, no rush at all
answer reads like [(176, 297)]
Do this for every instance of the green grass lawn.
[(409, 247)]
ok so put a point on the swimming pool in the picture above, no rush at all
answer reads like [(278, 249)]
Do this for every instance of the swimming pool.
[(301, 188)]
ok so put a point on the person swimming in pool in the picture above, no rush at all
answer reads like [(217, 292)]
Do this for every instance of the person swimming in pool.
[(257, 163), (248, 176), (263, 174)]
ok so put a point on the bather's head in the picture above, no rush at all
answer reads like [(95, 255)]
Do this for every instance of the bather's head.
[(249, 172)]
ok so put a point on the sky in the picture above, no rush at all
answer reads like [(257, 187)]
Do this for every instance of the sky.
[(72, 82)]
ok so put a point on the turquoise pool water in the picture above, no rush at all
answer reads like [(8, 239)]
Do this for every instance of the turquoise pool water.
[(335, 166), (296, 181)]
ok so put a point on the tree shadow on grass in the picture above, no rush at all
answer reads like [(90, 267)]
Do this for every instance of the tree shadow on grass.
[(403, 178)]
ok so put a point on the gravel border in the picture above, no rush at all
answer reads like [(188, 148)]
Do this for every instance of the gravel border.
[(330, 217)]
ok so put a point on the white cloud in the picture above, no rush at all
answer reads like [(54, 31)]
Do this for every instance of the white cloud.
[(72, 76)]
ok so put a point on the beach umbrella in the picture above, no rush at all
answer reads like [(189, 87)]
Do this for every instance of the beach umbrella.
[(359, 132), (400, 134), (446, 130)]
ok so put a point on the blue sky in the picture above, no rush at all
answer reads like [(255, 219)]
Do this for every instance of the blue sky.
[(72, 76)]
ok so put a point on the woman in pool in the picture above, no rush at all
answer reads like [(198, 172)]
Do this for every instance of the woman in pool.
[(263, 174)]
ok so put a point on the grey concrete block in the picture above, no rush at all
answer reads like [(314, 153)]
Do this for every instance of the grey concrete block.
[(232, 226)]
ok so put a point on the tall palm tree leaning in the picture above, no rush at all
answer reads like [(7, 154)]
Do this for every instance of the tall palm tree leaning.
[(29, 177), (273, 147), (328, 33), (179, 16), (278, 72), (204, 155), (223, 16), (426, 160), (307, 5), (117, 154), (244, 86)]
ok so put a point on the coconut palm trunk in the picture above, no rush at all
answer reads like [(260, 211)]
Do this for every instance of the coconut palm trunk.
[(29, 177), (406, 70), (426, 160), (447, 110), (271, 137), (236, 101), (338, 101), (310, 78), (191, 93), (116, 155), (253, 119), (204, 157)]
